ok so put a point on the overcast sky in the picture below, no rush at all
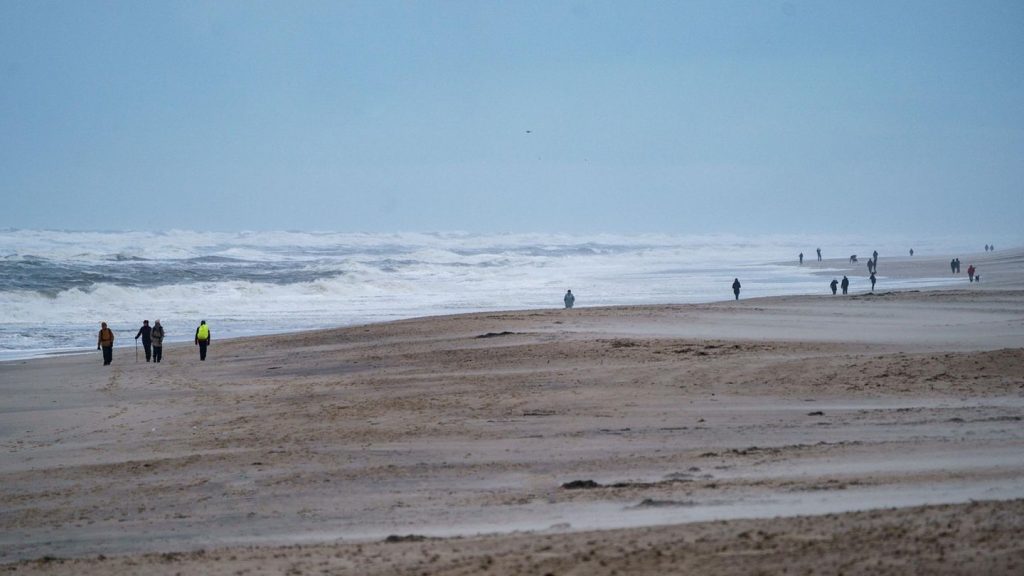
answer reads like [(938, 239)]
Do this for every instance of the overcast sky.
[(679, 117)]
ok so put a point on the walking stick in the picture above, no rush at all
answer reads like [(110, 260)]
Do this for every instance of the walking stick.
[(136, 351)]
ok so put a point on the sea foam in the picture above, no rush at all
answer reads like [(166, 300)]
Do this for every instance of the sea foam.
[(58, 285)]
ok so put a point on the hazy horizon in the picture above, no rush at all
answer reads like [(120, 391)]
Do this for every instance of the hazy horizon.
[(561, 117)]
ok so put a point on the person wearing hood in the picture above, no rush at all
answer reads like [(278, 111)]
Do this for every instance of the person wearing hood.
[(202, 339), (736, 287), (569, 299), (833, 285), (157, 336)]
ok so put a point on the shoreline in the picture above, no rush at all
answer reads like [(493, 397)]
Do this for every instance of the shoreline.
[(902, 268), (670, 416)]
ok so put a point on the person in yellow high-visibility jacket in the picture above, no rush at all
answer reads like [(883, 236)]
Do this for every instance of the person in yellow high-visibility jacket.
[(202, 338)]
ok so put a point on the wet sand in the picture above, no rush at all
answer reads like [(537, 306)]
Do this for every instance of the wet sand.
[(885, 428)]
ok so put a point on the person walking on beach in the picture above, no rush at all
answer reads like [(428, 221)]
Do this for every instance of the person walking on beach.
[(106, 342), (736, 287), (157, 336), (801, 258), (147, 343), (569, 299), (202, 339), (970, 272), (874, 256), (833, 285), (819, 254), (872, 281), (957, 265), (911, 252), (871, 267), (845, 284)]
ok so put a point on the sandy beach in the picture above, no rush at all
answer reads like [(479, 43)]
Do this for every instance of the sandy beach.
[(863, 434)]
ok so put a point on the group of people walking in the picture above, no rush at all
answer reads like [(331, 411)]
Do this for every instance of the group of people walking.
[(845, 284), (972, 276), (152, 341), (836, 284)]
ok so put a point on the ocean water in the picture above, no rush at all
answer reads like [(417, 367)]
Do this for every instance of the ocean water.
[(58, 285)]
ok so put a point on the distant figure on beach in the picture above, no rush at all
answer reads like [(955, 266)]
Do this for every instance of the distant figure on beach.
[(801, 258), (874, 255), (833, 285), (952, 266), (819, 254), (986, 247), (569, 299), (872, 281), (147, 340), (202, 338), (736, 287), (911, 252), (871, 266), (845, 284), (957, 265), (970, 272), (853, 258), (106, 342), (992, 248), (157, 335)]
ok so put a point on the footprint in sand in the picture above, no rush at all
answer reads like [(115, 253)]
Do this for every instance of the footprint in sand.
[(112, 384)]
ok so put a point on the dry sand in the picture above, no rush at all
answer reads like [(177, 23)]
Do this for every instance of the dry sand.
[(864, 434)]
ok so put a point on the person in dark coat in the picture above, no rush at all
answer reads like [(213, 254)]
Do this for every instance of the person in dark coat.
[(569, 299), (801, 258), (147, 339), (202, 339), (819, 254), (833, 286), (736, 287), (872, 281), (845, 284)]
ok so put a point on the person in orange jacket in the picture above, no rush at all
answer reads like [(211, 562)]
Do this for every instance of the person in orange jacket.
[(106, 342)]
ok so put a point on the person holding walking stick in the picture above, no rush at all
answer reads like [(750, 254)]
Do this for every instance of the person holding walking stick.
[(146, 333)]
